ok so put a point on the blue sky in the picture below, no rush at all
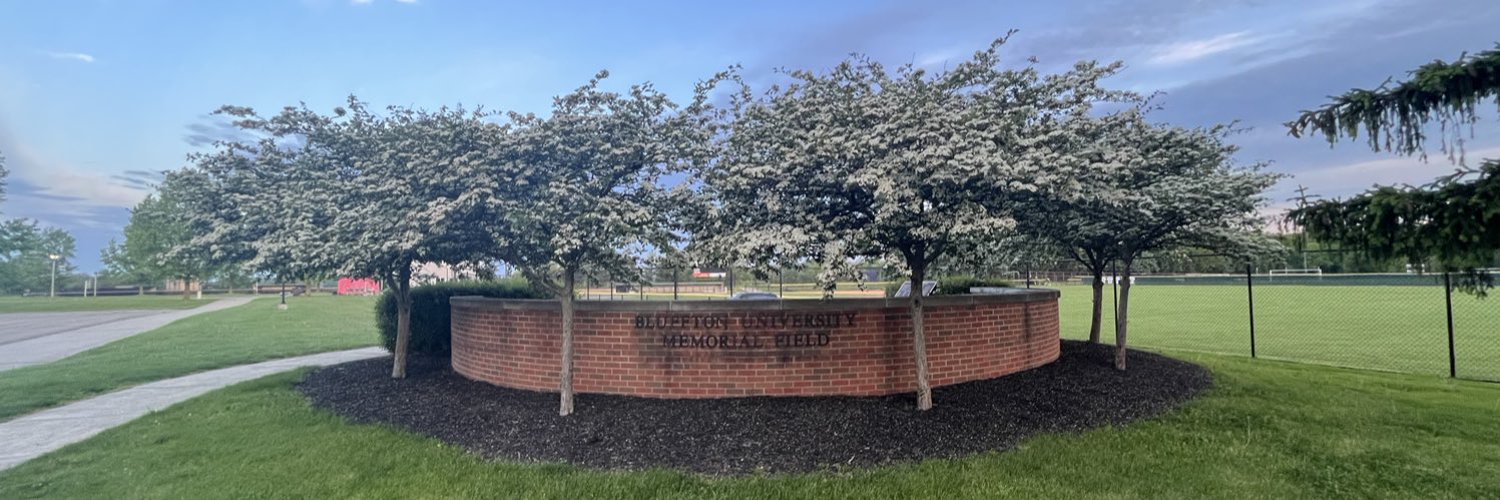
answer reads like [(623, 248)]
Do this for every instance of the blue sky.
[(93, 93)]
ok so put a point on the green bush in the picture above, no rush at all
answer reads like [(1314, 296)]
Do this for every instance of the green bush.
[(430, 316), (960, 285), (952, 285)]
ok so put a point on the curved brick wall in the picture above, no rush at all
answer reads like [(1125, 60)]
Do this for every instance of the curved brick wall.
[(707, 349)]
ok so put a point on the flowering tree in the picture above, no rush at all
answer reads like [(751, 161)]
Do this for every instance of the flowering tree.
[(354, 193), (864, 162), (1079, 223), (1174, 187), (591, 192)]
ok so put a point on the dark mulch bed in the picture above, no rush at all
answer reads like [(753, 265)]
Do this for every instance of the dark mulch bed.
[(737, 436)]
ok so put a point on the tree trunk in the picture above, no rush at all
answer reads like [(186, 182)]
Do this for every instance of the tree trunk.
[(187, 288), (1122, 318), (919, 336), (1098, 319), (565, 382), (402, 289)]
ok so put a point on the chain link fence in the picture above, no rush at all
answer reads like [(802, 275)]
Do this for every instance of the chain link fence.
[(1322, 307), (1403, 320), (721, 284)]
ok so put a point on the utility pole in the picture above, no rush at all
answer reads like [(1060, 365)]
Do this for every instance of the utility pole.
[(1302, 199), (55, 258)]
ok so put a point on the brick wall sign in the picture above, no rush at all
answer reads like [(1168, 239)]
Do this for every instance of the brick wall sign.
[(746, 330), (707, 349)]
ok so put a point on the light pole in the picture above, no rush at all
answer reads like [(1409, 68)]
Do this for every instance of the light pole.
[(54, 258)]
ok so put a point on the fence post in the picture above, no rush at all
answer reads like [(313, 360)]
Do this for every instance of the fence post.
[(1250, 295), (1448, 301)]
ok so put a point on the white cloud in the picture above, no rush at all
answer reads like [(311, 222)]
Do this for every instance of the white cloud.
[(1354, 178), (1182, 52), (62, 190), (937, 59), (72, 56)]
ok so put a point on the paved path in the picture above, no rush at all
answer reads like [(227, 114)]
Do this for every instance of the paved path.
[(39, 433), (35, 338), (15, 327)]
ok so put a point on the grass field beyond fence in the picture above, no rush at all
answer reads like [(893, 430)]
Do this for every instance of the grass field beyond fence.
[(1397, 328)]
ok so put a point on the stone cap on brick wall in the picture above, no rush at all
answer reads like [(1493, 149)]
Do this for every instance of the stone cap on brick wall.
[(1011, 296)]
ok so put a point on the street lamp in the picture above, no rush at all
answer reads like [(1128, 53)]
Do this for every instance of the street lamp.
[(54, 258)]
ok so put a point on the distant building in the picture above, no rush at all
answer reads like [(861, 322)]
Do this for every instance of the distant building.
[(358, 286), (433, 272), (177, 285), (708, 272)]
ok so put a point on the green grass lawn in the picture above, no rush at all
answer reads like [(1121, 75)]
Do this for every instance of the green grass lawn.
[(253, 332), (14, 304), (1269, 429), (1400, 328)]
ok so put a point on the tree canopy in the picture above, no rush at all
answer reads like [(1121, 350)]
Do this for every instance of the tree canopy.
[(593, 190), (25, 247), (1452, 221), (862, 161), (593, 172), (353, 192), (1150, 188), (158, 240), (1454, 224), (865, 162), (1394, 116)]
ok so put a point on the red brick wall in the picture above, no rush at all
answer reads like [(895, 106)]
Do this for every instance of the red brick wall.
[(517, 343)]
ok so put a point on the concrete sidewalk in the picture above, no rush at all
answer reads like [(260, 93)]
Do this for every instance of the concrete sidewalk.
[(88, 335), (40, 433)]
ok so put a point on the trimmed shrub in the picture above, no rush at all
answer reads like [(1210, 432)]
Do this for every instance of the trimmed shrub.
[(960, 285), (953, 285), (431, 317)]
